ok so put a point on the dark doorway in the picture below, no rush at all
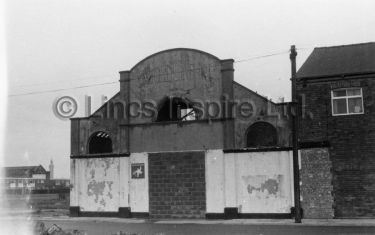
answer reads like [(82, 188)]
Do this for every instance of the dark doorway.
[(261, 134), (100, 142)]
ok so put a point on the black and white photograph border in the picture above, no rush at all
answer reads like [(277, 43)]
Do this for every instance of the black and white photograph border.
[(167, 117)]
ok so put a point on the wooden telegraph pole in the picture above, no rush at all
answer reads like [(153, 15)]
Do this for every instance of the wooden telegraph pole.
[(295, 107)]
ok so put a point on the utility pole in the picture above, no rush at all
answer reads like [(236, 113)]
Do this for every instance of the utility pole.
[(295, 107)]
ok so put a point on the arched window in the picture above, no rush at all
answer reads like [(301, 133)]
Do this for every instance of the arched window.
[(176, 109), (261, 134), (100, 142)]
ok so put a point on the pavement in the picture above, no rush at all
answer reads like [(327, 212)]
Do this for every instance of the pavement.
[(115, 226), (62, 215), (104, 225)]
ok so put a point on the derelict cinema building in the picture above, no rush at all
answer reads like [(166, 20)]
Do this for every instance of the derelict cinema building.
[(167, 145)]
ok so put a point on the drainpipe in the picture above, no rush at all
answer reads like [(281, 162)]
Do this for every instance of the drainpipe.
[(297, 202)]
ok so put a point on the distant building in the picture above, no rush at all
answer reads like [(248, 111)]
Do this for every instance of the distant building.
[(24, 179), (35, 172)]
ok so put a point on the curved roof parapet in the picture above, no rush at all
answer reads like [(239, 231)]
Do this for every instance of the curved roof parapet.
[(175, 49)]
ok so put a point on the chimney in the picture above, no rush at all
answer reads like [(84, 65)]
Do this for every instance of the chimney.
[(51, 169)]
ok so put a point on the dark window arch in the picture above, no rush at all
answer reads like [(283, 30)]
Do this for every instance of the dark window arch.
[(176, 109), (261, 134), (100, 142)]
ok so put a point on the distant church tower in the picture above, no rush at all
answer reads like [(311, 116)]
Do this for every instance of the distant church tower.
[(51, 169)]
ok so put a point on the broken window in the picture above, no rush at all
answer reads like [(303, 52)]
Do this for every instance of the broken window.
[(261, 134), (176, 109), (100, 142)]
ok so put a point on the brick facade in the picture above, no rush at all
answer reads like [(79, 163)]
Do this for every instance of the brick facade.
[(177, 185), (352, 141), (316, 187)]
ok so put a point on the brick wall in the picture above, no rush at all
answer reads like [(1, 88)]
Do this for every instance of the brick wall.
[(316, 188), (352, 140), (177, 185)]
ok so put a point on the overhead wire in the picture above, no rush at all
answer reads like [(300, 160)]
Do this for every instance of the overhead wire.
[(64, 81), (106, 83), (261, 56), (62, 89)]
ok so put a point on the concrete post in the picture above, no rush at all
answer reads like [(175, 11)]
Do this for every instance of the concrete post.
[(125, 96)]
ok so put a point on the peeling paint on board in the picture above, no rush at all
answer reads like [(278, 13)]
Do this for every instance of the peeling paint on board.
[(97, 189), (99, 184), (92, 172), (256, 182), (263, 186)]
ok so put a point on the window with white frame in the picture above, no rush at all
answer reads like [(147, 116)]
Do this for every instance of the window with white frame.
[(347, 101)]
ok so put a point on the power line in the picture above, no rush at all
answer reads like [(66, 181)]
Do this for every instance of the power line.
[(63, 89), (61, 81), (261, 56), (106, 83), (267, 55)]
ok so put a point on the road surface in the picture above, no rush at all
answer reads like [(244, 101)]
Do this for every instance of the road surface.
[(109, 228)]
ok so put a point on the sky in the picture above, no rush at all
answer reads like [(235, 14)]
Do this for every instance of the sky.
[(61, 44)]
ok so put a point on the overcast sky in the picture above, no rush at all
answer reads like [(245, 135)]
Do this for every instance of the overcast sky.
[(57, 44)]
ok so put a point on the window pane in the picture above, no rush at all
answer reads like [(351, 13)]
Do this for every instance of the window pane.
[(354, 92), (188, 114), (339, 106), (355, 105), (339, 93)]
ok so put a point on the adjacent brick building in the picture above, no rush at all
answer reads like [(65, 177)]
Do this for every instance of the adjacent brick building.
[(336, 86)]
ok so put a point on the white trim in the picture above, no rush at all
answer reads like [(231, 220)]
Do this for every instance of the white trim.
[(346, 97)]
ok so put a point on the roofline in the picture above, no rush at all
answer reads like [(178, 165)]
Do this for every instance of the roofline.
[(335, 75), (254, 93), (92, 115), (105, 103), (173, 49), (20, 166), (346, 45)]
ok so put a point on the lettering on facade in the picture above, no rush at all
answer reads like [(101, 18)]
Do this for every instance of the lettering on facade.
[(174, 72), (138, 170), (345, 84)]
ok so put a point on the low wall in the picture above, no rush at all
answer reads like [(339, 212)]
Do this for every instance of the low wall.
[(237, 184), (35, 201)]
